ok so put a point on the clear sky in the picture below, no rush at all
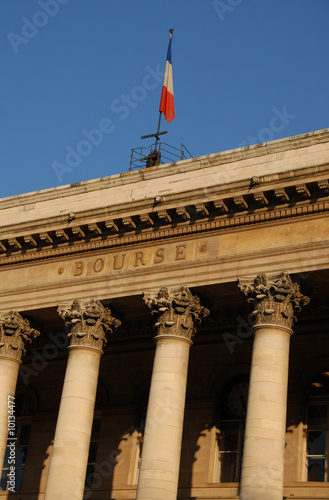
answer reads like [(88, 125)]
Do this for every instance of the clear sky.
[(245, 71)]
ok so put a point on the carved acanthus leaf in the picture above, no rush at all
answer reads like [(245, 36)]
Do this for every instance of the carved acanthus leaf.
[(88, 323), (275, 299), (176, 311), (15, 332)]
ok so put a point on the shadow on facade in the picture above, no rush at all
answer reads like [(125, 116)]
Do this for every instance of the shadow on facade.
[(207, 430)]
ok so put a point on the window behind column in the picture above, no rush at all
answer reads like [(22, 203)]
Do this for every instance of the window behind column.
[(233, 406), (139, 442), (25, 405), (23, 432), (317, 429)]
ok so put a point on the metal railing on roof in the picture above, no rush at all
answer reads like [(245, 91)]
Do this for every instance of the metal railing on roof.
[(148, 156)]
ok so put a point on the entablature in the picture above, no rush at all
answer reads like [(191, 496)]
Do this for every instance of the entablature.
[(253, 201)]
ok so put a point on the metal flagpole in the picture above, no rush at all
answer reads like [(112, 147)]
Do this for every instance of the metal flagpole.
[(154, 157), (158, 132), (160, 114)]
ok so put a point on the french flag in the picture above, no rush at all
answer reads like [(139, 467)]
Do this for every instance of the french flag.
[(167, 96)]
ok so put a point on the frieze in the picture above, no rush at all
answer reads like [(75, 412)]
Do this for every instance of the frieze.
[(198, 257), (146, 257)]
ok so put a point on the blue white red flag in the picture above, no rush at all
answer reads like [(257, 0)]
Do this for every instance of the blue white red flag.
[(167, 95)]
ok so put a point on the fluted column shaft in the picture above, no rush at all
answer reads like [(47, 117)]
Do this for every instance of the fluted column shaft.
[(15, 332), (275, 299), (88, 323), (176, 311)]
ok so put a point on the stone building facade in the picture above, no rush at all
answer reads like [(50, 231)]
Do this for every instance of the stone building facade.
[(164, 332)]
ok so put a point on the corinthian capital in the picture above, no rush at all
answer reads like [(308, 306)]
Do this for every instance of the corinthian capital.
[(15, 332), (88, 323), (275, 298), (176, 310)]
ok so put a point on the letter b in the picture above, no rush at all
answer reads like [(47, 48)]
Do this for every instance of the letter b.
[(38, 361), (50, 7), (72, 158), (28, 29), (95, 136)]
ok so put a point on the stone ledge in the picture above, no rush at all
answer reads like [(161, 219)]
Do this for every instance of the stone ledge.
[(202, 162)]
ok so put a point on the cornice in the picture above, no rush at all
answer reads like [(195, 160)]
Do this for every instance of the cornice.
[(150, 204), (221, 158), (261, 200)]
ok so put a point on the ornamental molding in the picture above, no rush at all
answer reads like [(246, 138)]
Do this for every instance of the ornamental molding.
[(15, 333), (176, 310), (88, 323), (274, 298), (162, 221)]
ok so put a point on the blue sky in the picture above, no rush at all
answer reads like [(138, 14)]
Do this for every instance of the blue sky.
[(245, 71)]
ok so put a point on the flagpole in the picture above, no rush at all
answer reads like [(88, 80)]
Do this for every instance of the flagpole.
[(158, 131), (160, 113)]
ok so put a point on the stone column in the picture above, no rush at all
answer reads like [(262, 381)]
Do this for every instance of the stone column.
[(176, 312), (88, 323), (15, 332), (275, 299)]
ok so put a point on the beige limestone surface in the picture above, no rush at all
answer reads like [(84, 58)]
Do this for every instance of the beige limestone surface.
[(264, 444), (158, 477), (8, 376), (220, 169), (67, 471)]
